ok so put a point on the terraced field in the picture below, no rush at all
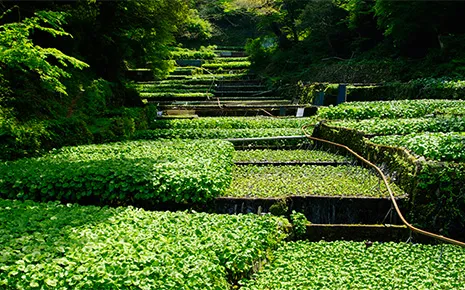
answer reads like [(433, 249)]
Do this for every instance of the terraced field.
[(265, 166), (205, 83)]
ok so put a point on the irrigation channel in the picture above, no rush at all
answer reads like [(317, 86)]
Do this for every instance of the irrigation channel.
[(342, 194)]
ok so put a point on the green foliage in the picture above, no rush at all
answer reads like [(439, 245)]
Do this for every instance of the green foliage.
[(175, 95), (440, 198), (232, 123), (435, 146), (67, 132), (228, 59), (260, 51), (195, 28), (228, 65), (50, 246), (112, 129), (405, 126), (143, 173), (92, 99), (34, 138), (279, 208), (299, 224), (282, 181), (435, 188), (418, 27), (20, 140), (351, 265), (214, 133), (152, 114), (202, 78), (267, 155), (204, 52), (171, 87), (392, 109), (426, 88), (18, 52)]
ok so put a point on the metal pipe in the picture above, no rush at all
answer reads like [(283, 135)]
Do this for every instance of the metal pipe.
[(391, 194)]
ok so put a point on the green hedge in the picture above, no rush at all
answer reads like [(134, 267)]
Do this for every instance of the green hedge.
[(53, 246), (436, 194), (138, 173)]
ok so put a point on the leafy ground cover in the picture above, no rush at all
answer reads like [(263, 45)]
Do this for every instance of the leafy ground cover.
[(183, 53), (227, 65), (174, 89), (436, 146), (228, 59), (232, 123), (215, 133), (175, 83), (392, 109), (185, 95), (281, 181), (217, 76), (405, 126), (268, 155), (351, 265), (141, 172), (53, 246), (150, 87)]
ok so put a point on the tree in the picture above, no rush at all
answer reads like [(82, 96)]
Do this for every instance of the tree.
[(417, 26), (19, 53)]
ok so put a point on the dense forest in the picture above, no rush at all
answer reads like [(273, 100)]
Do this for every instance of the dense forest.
[(63, 63)]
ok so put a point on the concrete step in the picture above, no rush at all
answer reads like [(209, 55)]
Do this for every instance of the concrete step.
[(214, 103), (353, 232), (242, 94), (240, 110), (320, 209), (229, 53), (246, 98), (239, 87)]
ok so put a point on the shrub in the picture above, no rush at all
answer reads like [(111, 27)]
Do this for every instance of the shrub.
[(299, 223)]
